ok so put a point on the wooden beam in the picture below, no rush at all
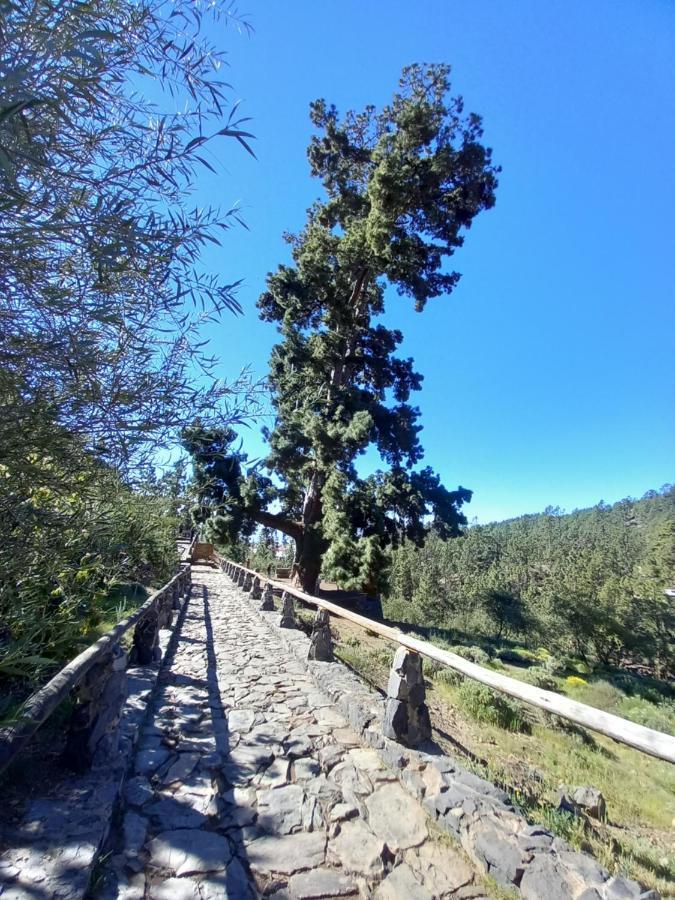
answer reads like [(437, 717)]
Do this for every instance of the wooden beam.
[(647, 740)]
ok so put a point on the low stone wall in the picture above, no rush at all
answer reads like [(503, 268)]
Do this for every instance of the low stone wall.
[(481, 817), (52, 851)]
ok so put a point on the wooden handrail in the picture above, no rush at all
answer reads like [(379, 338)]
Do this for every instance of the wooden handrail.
[(647, 740), (43, 702)]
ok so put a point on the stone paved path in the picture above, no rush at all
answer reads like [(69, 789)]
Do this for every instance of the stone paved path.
[(247, 782)]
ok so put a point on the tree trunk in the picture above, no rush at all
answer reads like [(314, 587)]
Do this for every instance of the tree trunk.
[(307, 565)]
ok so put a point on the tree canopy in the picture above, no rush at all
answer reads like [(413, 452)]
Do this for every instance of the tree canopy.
[(106, 108), (401, 187)]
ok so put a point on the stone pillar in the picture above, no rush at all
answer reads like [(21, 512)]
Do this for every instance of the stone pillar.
[(256, 589), (146, 638), (321, 642), (93, 734), (287, 611), (268, 597), (176, 594), (165, 608), (406, 717), (248, 582), (241, 577)]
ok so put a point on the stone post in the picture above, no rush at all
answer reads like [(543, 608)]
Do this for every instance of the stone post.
[(268, 597), (248, 582), (287, 611), (165, 609), (256, 589), (93, 734), (321, 642), (406, 716), (241, 578), (146, 638), (176, 594)]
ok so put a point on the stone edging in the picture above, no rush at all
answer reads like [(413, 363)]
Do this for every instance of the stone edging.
[(526, 858), (53, 851)]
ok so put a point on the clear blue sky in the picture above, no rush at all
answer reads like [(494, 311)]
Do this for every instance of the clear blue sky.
[(549, 371)]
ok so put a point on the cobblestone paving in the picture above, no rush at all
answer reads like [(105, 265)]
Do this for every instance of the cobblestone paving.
[(247, 782)]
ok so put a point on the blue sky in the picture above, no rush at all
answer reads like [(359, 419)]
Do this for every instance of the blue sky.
[(549, 371)]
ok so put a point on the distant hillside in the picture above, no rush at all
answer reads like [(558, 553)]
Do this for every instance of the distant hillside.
[(590, 582)]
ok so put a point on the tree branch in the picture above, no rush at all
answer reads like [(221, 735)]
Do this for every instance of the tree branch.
[(273, 520)]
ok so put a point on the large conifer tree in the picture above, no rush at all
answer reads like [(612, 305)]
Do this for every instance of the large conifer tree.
[(401, 187)]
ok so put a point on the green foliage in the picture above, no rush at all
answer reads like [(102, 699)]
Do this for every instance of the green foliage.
[(104, 297), (70, 541), (401, 186), (103, 293), (474, 654), (539, 677), (588, 585), (486, 706)]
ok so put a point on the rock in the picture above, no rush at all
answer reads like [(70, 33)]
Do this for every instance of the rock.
[(358, 850), (544, 877), (181, 768), (401, 884), (321, 883), (619, 888), (306, 768), (396, 818), (189, 852), (135, 829), (241, 719), (137, 791), (175, 889), (591, 801), (276, 775), (503, 858), (287, 854), (169, 813), (233, 884), (343, 811), (287, 611), (280, 809), (441, 869), (321, 642), (149, 760)]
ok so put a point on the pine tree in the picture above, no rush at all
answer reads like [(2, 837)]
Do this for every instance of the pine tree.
[(401, 186)]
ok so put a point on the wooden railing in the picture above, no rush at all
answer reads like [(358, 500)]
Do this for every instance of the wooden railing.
[(103, 660), (647, 740)]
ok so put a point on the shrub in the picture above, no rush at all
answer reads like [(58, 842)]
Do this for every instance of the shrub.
[(554, 666), (448, 676), (432, 667), (540, 678), (483, 705), (473, 654)]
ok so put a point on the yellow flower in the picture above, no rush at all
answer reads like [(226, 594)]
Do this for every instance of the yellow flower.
[(574, 679)]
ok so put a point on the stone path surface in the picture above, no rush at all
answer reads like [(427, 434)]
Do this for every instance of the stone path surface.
[(247, 781)]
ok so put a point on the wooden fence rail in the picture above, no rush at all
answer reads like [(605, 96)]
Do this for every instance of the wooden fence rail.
[(647, 740), (107, 660)]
